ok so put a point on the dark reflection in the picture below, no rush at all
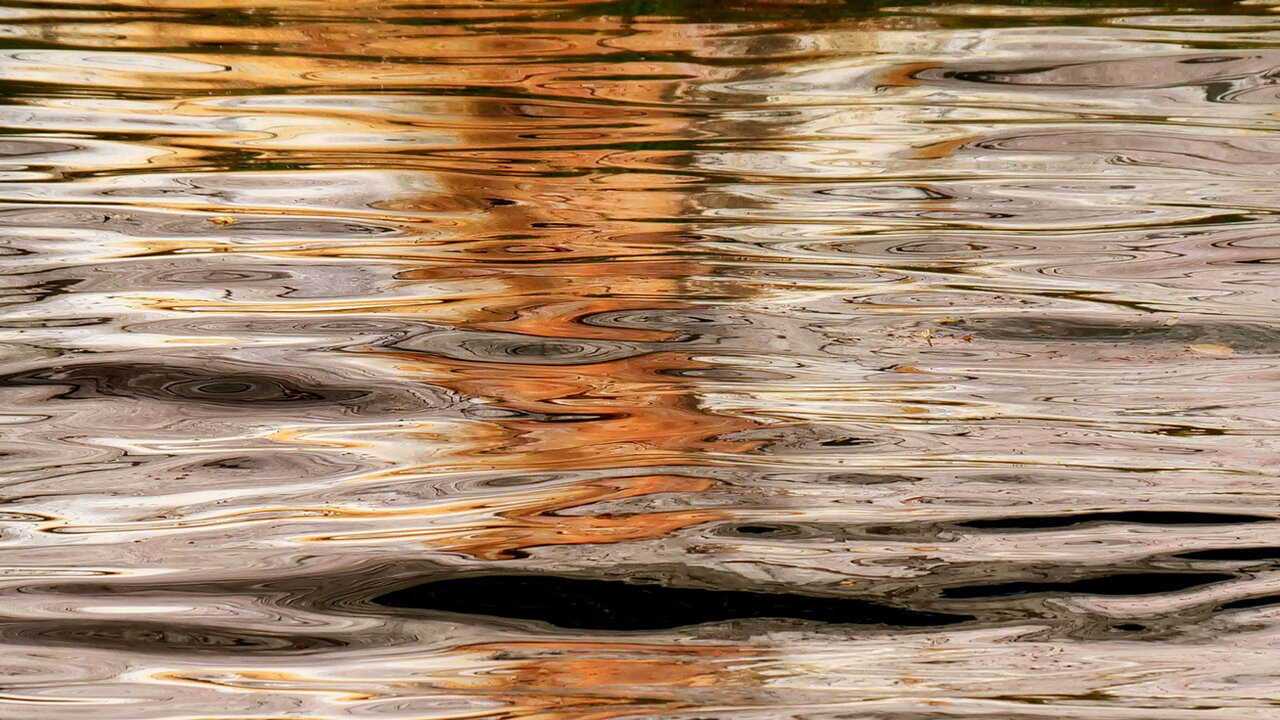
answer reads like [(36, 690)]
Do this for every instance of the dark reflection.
[(167, 382), (527, 350), (612, 605), (383, 329), (207, 386), (1171, 70), (832, 532), (1119, 584), (1145, 517), (1253, 602), (771, 531), (1254, 338), (163, 638), (69, 322), (1242, 554)]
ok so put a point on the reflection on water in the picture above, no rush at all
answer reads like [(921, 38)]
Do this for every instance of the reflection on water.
[(942, 334)]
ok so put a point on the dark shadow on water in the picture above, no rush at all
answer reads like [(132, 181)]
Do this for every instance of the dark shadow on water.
[(1253, 602), (1126, 584), (1145, 517), (612, 605), (1243, 554)]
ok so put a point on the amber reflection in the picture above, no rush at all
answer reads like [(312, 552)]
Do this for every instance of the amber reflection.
[(537, 680), (595, 681), (540, 212), (542, 524), (566, 250), (621, 414)]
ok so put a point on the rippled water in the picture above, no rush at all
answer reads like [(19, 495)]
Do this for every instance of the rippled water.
[(353, 351)]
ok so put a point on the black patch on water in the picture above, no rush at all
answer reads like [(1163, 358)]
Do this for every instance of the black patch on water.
[(1211, 59), (613, 605), (1260, 601), (1127, 584), (758, 530), (780, 531), (1145, 517), (847, 442), (1243, 553)]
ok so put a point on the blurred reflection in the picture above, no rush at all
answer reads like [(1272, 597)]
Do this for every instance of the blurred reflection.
[(958, 308)]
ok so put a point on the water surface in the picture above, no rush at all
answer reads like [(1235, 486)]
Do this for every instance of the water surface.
[(921, 359)]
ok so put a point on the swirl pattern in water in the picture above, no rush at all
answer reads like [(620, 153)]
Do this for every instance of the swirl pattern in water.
[(596, 359)]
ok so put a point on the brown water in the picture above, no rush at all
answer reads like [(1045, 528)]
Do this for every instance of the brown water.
[(959, 317)]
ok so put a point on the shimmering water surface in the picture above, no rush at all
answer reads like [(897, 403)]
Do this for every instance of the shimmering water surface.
[(919, 361)]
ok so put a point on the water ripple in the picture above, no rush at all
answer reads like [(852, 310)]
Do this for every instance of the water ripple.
[(909, 361)]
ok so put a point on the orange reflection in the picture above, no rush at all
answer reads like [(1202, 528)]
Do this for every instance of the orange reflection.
[(541, 524), (523, 216), (563, 253), (596, 681), (534, 680)]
